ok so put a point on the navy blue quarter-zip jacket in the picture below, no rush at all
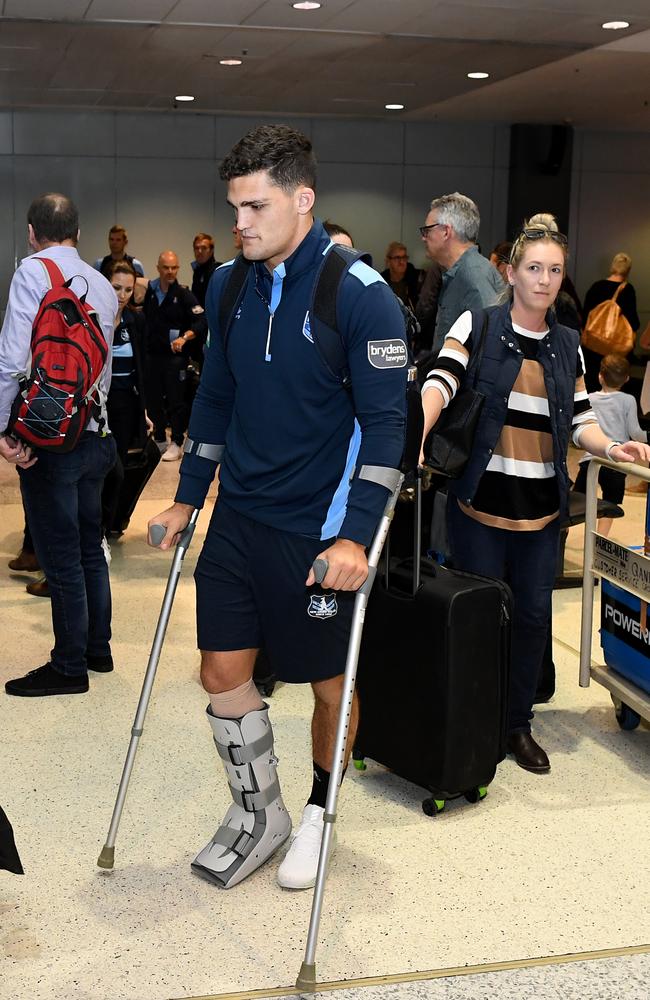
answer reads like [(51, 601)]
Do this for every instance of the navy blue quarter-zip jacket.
[(295, 439)]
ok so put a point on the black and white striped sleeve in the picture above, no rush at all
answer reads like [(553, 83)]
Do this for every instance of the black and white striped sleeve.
[(451, 363)]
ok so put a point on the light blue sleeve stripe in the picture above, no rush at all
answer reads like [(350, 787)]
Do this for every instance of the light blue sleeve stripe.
[(366, 274), (337, 508)]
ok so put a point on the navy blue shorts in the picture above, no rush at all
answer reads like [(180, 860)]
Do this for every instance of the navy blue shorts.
[(250, 592)]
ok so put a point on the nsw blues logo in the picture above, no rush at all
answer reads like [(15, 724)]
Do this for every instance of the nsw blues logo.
[(306, 331), (322, 606)]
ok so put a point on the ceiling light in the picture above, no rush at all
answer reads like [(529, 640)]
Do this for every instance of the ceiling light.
[(230, 62), (183, 97), (615, 25), (478, 76), (306, 5), (394, 107)]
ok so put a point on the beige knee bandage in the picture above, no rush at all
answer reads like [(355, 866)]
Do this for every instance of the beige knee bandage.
[(237, 703)]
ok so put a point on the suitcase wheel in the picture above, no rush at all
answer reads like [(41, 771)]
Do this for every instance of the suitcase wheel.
[(476, 794), (359, 761), (626, 717), (431, 807)]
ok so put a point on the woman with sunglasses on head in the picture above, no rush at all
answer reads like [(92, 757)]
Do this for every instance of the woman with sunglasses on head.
[(505, 510)]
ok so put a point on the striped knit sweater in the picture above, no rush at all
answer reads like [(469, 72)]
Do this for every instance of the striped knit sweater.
[(518, 489)]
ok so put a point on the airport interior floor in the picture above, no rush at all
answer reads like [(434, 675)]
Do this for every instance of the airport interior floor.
[(541, 890)]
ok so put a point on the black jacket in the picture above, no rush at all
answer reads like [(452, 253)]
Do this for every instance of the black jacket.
[(179, 311), (200, 281)]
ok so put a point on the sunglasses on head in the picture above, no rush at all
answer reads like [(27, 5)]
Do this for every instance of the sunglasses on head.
[(540, 234)]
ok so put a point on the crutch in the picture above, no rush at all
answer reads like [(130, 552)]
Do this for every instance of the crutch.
[(307, 976), (156, 533), (392, 479)]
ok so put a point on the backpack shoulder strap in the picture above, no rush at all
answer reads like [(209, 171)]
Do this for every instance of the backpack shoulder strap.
[(325, 333), (54, 275), (232, 294)]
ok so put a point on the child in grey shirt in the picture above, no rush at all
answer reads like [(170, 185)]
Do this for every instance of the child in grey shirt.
[(617, 416)]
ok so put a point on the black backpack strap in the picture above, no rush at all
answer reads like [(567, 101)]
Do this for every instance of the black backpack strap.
[(232, 294), (325, 333)]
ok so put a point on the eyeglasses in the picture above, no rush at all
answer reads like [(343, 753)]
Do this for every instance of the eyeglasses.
[(399, 256), (425, 230), (540, 234)]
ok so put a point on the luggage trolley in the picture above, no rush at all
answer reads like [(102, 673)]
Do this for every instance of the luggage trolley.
[(626, 637)]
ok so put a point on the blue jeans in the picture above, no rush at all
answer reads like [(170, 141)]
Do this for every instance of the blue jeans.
[(62, 498), (527, 561)]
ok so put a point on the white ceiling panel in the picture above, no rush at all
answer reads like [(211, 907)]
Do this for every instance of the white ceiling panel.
[(184, 41), (379, 15), (51, 10), (209, 12), (130, 10)]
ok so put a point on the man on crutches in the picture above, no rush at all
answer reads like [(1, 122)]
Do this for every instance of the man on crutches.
[(306, 457)]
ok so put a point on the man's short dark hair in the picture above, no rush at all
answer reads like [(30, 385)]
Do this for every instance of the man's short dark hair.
[(284, 152), (54, 218), (333, 229)]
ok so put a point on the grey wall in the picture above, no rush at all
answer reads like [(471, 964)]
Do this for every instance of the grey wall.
[(157, 175), (610, 208)]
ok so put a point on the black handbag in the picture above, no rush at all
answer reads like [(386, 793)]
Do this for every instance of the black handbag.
[(451, 440)]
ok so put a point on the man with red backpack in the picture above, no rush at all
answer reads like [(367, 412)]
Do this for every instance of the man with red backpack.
[(55, 347)]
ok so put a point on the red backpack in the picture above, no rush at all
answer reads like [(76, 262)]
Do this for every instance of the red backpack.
[(61, 393)]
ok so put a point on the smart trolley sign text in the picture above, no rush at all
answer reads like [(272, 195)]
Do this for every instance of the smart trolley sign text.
[(629, 569)]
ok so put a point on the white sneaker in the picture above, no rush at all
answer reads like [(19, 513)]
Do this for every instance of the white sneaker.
[(300, 865), (173, 454)]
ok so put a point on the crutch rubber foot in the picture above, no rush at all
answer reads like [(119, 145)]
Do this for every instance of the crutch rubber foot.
[(307, 978), (107, 858)]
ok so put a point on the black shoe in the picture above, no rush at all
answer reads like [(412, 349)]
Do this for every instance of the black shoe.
[(100, 664), (39, 588), (45, 681), (528, 753)]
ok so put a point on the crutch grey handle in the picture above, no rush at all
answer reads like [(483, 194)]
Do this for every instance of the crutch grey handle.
[(157, 532), (319, 569)]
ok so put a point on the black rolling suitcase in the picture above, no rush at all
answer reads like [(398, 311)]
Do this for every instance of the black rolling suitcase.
[(433, 679), (139, 468)]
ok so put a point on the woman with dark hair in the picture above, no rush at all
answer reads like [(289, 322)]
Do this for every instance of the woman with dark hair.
[(505, 510), (127, 416)]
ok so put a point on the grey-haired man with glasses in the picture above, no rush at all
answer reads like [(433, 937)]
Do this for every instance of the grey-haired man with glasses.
[(450, 234)]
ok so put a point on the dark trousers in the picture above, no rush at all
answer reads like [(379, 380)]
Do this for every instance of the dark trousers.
[(62, 498), (123, 409), (527, 561), (166, 385)]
